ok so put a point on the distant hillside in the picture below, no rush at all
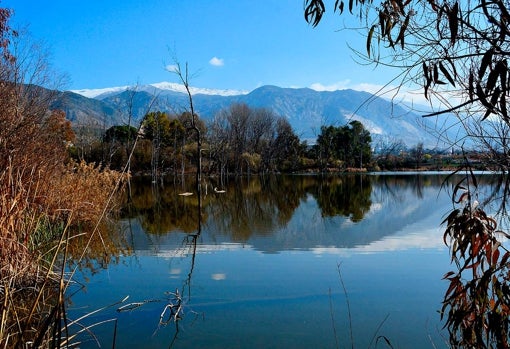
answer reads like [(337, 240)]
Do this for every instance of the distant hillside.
[(305, 109)]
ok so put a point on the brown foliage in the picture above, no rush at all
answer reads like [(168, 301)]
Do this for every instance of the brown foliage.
[(476, 304), (44, 198)]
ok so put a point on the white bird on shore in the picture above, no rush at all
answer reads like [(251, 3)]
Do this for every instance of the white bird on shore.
[(187, 193), (216, 190)]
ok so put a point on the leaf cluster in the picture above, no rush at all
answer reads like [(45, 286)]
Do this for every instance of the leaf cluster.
[(476, 304)]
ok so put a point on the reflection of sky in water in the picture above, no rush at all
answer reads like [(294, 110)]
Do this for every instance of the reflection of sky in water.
[(281, 290), (245, 297)]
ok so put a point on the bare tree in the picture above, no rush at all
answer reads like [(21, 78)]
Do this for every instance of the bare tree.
[(28, 86), (184, 77), (417, 154), (387, 149), (219, 142), (263, 121)]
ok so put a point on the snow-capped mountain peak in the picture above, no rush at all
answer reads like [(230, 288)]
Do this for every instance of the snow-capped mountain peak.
[(171, 86), (93, 93), (153, 88)]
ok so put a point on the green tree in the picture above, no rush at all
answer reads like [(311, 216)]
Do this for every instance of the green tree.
[(287, 146), (120, 133), (325, 145), (360, 144), (156, 126), (346, 146), (113, 151)]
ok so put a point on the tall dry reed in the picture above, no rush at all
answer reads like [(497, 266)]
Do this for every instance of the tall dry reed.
[(39, 212), (45, 198)]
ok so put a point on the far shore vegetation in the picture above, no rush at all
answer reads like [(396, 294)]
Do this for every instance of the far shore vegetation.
[(242, 140)]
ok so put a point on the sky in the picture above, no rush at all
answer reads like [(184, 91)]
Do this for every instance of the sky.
[(236, 44)]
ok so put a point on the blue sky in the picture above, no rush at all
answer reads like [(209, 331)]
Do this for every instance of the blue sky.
[(237, 44)]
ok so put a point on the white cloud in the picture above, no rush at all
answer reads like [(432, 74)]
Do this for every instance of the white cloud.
[(398, 94), (217, 62), (218, 276), (340, 85)]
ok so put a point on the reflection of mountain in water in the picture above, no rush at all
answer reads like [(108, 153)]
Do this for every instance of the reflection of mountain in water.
[(280, 213), (390, 212)]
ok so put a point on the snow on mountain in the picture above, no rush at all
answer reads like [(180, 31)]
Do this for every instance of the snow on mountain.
[(155, 88), (170, 86), (93, 93)]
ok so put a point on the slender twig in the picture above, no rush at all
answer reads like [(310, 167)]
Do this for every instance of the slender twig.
[(348, 304), (377, 331), (333, 319), (114, 334)]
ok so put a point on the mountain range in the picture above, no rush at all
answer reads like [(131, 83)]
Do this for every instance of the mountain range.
[(305, 109)]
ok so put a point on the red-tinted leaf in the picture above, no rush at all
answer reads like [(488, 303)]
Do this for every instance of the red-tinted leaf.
[(488, 252), (452, 287), (401, 34), (451, 216), (381, 24), (495, 256), (475, 246), (433, 5), (473, 265), (464, 196)]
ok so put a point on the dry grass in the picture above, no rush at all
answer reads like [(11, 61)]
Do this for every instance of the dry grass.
[(39, 213), (84, 190)]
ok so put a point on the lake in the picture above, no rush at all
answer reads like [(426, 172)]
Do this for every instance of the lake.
[(277, 262)]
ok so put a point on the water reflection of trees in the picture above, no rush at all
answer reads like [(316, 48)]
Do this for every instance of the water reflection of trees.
[(160, 209), (254, 206), (259, 205), (93, 251), (347, 196)]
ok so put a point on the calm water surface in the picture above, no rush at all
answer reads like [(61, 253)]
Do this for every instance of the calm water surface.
[(266, 269)]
